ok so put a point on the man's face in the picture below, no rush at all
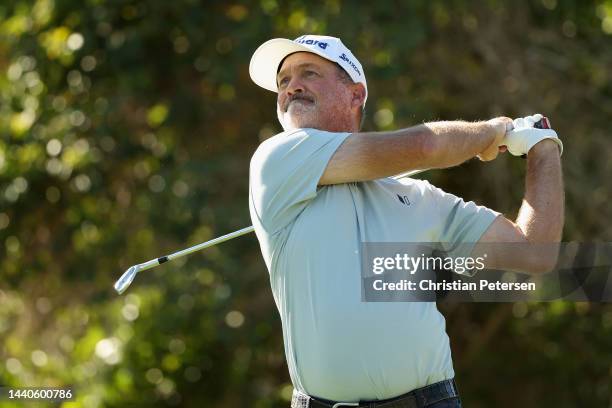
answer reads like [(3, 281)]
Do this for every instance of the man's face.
[(312, 95)]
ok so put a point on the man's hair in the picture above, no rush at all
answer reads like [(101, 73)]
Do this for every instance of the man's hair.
[(343, 75), (346, 78)]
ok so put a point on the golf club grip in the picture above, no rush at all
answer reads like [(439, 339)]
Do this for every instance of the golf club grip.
[(543, 123)]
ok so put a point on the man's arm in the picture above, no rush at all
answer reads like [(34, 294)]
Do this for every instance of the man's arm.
[(540, 219), (368, 156)]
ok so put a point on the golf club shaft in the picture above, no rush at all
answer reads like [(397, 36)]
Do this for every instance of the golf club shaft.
[(162, 259), (210, 243), (154, 262), (129, 275)]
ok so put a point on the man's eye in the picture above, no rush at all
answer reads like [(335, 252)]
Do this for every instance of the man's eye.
[(311, 73), (283, 81)]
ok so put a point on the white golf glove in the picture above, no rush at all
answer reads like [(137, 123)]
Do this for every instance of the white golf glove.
[(524, 135)]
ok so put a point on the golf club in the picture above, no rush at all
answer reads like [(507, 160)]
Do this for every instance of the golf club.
[(128, 276)]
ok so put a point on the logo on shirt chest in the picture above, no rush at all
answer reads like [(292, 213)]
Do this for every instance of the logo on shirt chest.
[(404, 199)]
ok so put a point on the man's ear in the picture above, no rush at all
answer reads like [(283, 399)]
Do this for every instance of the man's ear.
[(357, 95)]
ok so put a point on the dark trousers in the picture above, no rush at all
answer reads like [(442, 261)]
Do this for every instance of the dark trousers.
[(442, 394), (448, 403)]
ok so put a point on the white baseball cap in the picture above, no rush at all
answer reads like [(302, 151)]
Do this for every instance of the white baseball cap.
[(266, 59)]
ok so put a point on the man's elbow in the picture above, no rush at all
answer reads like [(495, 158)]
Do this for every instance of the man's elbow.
[(431, 147), (425, 149)]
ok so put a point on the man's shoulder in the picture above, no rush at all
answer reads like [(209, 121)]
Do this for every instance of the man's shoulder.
[(272, 144), (293, 134), (277, 138), (289, 139)]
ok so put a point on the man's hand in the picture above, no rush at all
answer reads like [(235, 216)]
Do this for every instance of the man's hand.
[(540, 219), (499, 127), (526, 135)]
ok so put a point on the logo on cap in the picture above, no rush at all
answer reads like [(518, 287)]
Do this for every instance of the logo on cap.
[(322, 45), (343, 57)]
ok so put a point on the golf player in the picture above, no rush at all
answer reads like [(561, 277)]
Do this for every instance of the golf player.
[(321, 188)]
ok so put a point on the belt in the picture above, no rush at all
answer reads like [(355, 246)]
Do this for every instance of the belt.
[(418, 398)]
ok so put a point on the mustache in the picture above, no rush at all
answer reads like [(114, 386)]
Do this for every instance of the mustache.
[(297, 97)]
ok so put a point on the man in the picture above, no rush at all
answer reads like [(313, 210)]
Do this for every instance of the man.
[(321, 188)]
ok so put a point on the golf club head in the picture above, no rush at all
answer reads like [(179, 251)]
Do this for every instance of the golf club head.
[(126, 279)]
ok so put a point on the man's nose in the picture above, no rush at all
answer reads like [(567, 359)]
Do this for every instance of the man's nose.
[(294, 86)]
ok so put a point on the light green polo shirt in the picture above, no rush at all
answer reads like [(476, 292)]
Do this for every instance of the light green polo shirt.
[(338, 347)]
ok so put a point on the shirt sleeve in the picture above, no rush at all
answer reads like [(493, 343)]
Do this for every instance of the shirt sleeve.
[(462, 223), (284, 174)]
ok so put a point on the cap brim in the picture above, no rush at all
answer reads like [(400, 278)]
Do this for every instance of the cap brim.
[(265, 60)]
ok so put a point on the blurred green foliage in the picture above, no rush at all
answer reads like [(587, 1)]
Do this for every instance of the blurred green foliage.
[(126, 131)]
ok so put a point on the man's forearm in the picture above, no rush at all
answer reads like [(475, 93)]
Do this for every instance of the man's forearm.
[(458, 141), (373, 155), (541, 215)]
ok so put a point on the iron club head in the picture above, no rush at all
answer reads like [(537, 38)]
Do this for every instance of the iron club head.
[(126, 279)]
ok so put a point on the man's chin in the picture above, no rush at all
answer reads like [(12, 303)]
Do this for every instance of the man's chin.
[(290, 122)]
